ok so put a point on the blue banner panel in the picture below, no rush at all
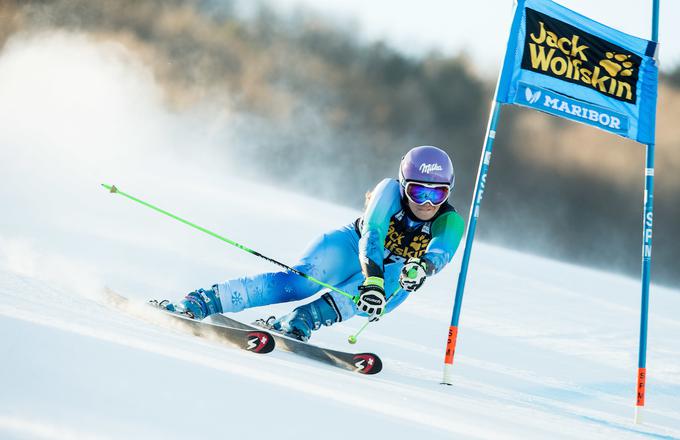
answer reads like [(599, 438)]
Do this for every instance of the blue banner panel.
[(601, 77), (580, 111)]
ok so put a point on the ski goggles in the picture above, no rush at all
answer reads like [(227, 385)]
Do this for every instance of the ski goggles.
[(421, 193)]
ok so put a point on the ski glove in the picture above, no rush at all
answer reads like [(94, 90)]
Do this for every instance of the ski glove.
[(413, 274), (372, 298)]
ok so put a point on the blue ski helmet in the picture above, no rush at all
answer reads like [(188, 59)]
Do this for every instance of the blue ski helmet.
[(426, 164)]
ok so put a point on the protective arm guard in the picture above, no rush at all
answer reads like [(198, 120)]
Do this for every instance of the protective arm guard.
[(384, 203), (447, 231)]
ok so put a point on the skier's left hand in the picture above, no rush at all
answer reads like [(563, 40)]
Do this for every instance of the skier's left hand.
[(413, 274)]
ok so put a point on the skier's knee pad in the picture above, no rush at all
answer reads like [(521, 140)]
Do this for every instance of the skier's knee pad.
[(201, 303)]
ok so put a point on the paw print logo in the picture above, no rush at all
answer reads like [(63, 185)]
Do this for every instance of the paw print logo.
[(419, 242), (617, 64)]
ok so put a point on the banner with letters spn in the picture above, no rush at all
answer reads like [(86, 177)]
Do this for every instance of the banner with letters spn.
[(565, 64)]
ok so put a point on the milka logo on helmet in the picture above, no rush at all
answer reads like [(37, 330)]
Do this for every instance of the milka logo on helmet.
[(428, 168)]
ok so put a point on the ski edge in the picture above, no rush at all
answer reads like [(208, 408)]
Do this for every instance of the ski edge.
[(258, 341), (363, 363)]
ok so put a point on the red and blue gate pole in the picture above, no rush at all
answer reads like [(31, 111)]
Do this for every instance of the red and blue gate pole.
[(482, 172), (647, 222)]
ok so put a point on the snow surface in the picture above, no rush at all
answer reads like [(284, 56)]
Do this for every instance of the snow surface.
[(546, 350)]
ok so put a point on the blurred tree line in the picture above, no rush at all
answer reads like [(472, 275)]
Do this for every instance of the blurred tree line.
[(328, 114)]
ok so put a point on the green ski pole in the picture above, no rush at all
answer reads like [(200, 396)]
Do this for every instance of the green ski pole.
[(114, 190)]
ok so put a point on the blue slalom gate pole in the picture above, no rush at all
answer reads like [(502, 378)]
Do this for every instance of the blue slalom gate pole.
[(647, 225), (484, 162)]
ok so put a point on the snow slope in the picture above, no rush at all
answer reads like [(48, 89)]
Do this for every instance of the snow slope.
[(546, 349)]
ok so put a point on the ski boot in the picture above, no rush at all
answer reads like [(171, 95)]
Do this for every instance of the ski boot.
[(300, 323), (196, 305)]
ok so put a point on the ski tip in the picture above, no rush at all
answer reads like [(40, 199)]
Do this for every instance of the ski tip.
[(367, 363), (111, 188), (260, 342)]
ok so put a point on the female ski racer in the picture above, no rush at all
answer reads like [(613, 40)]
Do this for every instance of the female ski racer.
[(408, 232)]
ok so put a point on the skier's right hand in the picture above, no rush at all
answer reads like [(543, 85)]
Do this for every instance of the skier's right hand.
[(413, 274), (372, 298)]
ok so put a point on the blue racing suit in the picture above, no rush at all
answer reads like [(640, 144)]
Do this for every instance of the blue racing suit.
[(376, 244)]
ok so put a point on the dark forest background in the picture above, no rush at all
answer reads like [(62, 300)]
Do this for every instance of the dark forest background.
[(323, 112)]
